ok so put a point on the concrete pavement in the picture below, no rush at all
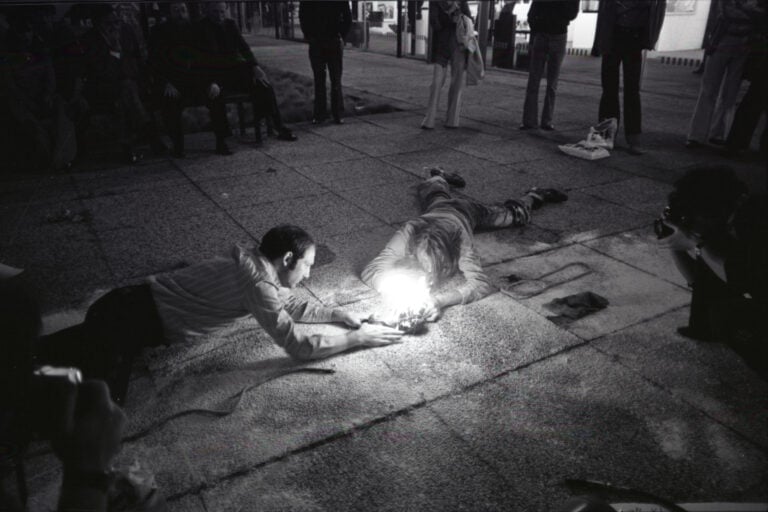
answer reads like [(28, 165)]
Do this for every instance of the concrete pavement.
[(491, 409)]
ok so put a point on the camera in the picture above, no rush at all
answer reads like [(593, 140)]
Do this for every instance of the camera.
[(406, 322), (661, 225)]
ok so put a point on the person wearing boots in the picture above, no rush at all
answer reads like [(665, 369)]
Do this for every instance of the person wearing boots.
[(325, 26), (439, 244), (624, 29), (228, 64), (177, 83)]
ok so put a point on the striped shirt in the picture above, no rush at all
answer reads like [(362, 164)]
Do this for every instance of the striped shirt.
[(203, 298)]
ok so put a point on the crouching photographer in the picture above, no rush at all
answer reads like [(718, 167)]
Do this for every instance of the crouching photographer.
[(718, 235), (80, 420)]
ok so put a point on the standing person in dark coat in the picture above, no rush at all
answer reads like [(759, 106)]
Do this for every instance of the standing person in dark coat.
[(227, 63), (624, 29), (177, 82), (549, 21), (325, 26)]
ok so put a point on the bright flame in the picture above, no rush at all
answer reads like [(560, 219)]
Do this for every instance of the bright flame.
[(404, 292)]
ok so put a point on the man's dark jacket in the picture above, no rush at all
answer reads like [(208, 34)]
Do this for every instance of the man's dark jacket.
[(222, 50), (552, 16), (173, 55), (606, 23), (324, 21)]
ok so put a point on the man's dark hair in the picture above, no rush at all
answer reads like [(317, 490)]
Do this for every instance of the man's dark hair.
[(285, 238), (709, 193), (438, 243)]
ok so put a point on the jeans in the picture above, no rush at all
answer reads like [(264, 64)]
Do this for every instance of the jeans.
[(435, 196), (458, 79), (722, 77), (626, 53), (322, 55), (549, 50), (172, 109)]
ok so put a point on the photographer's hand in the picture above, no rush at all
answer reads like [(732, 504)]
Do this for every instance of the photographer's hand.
[(432, 311), (681, 239)]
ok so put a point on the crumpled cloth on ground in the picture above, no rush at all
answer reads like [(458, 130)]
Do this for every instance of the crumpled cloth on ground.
[(570, 308)]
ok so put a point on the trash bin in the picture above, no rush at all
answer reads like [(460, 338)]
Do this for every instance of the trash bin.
[(504, 30)]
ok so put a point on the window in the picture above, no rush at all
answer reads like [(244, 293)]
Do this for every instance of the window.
[(681, 6)]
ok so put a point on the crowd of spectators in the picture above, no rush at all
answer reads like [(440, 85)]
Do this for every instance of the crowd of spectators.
[(61, 69)]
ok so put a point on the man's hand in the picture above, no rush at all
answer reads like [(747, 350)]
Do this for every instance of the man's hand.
[(172, 92), (432, 311), (370, 335), (213, 91), (97, 430), (348, 318), (260, 76)]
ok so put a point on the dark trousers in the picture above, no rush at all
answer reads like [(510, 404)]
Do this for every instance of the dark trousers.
[(546, 50), (172, 109), (263, 94), (116, 327), (626, 54), (720, 313), (752, 106), (322, 55)]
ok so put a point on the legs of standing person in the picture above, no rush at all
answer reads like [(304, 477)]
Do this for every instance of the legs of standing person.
[(711, 81), (752, 106), (538, 55), (609, 78), (318, 61), (171, 110), (555, 56), (438, 80), (335, 69), (217, 109), (632, 64), (458, 80), (726, 108)]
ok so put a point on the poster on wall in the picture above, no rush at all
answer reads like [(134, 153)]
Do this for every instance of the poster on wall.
[(681, 6)]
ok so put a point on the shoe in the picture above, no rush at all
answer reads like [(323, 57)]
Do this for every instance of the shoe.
[(716, 141), (450, 127), (633, 147), (692, 334), (425, 127), (286, 134), (223, 149), (548, 127), (338, 120), (525, 127), (635, 150), (133, 156), (546, 195), (693, 144), (454, 179), (178, 153)]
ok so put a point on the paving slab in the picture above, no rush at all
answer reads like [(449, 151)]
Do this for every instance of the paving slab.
[(390, 143), (277, 417), (240, 163), (353, 174), (577, 415), (506, 244), (162, 174), (641, 194), (43, 190), (392, 202), (567, 172), (708, 376), (275, 183), (642, 250), (472, 168), (325, 215), (472, 343), (410, 463), (633, 295), (310, 149), (509, 151), (161, 246)]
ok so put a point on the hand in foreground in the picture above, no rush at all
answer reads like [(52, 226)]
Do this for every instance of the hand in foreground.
[(348, 318), (170, 91), (431, 311), (97, 430), (213, 91), (372, 335)]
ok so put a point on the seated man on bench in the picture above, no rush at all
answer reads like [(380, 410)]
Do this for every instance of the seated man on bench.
[(177, 81), (228, 64)]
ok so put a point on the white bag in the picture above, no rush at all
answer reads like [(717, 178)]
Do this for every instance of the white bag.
[(585, 150)]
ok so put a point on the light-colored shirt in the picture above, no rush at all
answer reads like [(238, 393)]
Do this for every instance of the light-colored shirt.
[(205, 297)]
